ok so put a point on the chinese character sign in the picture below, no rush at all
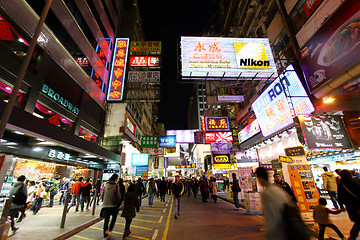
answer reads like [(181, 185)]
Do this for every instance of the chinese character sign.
[(139, 159), (58, 155), (217, 124), (167, 141), (145, 61), (118, 69), (149, 141), (211, 137), (145, 46)]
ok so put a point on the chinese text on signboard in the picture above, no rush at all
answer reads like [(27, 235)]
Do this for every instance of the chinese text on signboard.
[(217, 124), (211, 137), (145, 61), (118, 69)]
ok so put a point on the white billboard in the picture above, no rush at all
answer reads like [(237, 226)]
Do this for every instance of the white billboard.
[(226, 58)]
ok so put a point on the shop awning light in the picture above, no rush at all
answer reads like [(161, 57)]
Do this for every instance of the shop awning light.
[(20, 133), (37, 149), (328, 99)]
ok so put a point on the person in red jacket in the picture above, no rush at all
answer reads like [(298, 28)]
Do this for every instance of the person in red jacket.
[(75, 194)]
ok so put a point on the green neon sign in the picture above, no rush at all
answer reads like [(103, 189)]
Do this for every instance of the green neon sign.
[(56, 96)]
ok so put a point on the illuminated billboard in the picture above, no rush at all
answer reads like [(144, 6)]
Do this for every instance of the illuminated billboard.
[(118, 69), (183, 136), (139, 159), (144, 61), (217, 57), (211, 137), (283, 99), (167, 141), (217, 124)]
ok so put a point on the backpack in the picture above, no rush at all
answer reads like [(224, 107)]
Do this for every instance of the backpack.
[(295, 228), (19, 197)]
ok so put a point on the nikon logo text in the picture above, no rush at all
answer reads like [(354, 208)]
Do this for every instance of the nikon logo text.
[(253, 62)]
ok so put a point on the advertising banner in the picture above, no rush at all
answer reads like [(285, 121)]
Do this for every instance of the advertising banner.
[(199, 137), (324, 131), (248, 156), (183, 136), (217, 124), (227, 94), (145, 46), (221, 161), (227, 57), (211, 137), (144, 76), (149, 141), (283, 99), (141, 169), (118, 70), (156, 151), (139, 159), (334, 48), (144, 61), (225, 147), (167, 141), (250, 130)]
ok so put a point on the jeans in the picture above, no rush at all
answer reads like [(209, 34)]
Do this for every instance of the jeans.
[(151, 199), (37, 205), (75, 198), (62, 197), (333, 199), (52, 195), (332, 226), (139, 196), (83, 200), (109, 212), (236, 199), (13, 212), (177, 205)]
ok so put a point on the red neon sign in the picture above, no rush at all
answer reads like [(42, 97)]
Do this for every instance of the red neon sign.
[(145, 61), (217, 124), (118, 69), (211, 137)]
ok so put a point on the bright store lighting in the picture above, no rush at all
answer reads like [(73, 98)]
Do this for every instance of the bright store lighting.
[(20, 133), (328, 100), (37, 149)]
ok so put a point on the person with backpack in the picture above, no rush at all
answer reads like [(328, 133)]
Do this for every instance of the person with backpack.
[(276, 204), (139, 186), (236, 189), (151, 189), (53, 191), (18, 193)]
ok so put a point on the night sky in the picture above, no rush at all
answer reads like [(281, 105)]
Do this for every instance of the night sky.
[(167, 21)]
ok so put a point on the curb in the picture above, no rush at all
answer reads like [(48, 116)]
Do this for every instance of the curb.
[(78, 229)]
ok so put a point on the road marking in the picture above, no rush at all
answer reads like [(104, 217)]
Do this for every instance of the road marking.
[(144, 220), (120, 233), (168, 221), (83, 237), (150, 211), (232, 204), (146, 215), (134, 226), (164, 210), (155, 234), (160, 219), (166, 205)]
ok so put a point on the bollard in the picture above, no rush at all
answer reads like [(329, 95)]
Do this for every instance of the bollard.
[(4, 216), (66, 203)]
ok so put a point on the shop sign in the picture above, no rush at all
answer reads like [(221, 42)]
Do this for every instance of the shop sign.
[(230, 94), (324, 131), (58, 98), (183, 136), (211, 137), (144, 61), (217, 124), (107, 173), (149, 141), (139, 159), (199, 137), (59, 155), (130, 127), (248, 156), (226, 57), (304, 189), (192, 165), (143, 77), (157, 151), (310, 6), (333, 49), (221, 161), (118, 70), (145, 46), (215, 113), (295, 151), (285, 159), (167, 141), (250, 130), (166, 162), (225, 147), (203, 124), (82, 61), (99, 71), (283, 99), (141, 169)]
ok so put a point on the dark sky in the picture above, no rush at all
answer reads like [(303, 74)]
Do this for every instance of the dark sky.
[(166, 21)]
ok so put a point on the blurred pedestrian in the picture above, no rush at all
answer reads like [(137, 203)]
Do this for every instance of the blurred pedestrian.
[(75, 191), (139, 186), (235, 188), (330, 185), (18, 193), (53, 191), (194, 186), (214, 189), (64, 187), (321, 216), (177, 189), (111, 197), (204, 189), (163, 189), (349, 195), (85, 195), (131, 203), (39, 196), (151, 189), (284, 185)]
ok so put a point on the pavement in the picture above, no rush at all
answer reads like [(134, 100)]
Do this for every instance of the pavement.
[(196, 221)]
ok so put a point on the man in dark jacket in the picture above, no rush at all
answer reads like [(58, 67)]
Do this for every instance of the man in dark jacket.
[(162, 189), (139, 186), (236, 189), (85, 195), (64, 187), (177, 189), (19, 194), (284, 185)]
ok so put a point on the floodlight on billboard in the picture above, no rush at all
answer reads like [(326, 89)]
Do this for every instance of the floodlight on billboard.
[(216, 57)]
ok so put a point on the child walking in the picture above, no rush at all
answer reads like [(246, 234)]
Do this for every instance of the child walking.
[(321, 216)]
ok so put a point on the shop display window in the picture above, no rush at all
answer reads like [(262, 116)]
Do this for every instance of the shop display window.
[(52, 117), (87, 135), (5, 92)]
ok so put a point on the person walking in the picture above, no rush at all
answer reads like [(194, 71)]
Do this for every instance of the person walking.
[(151, 189), (18, 193), (330, 185), (321, 216), (162, 189), (111, 198), (177, 190), (194, 186), (63, 188), (235, 188), (85, 195), (204, 189), (214, 189), (53, 191), (284, 185), (139, 188), (75, 194), (349, 195), (30, 198), (131, 203), (273, 200), (39, 195)]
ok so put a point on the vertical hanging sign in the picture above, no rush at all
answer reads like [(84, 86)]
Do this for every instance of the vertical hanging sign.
[(118, 69)]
